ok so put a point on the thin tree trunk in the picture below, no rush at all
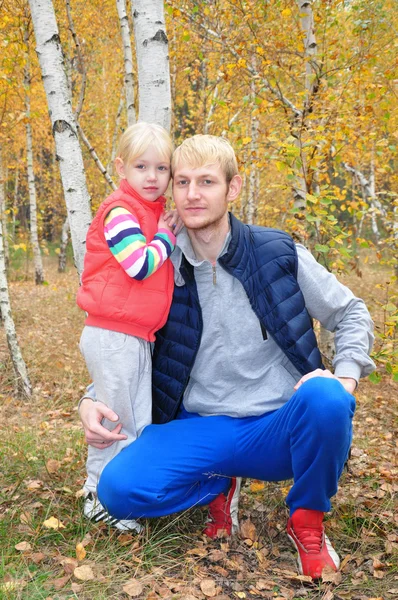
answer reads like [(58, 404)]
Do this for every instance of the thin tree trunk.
[(153, 62), (15, 202), (69, 154), (128, 61), (34, 237), (3, 215), (63, 246), (22, 383), (251, 201)]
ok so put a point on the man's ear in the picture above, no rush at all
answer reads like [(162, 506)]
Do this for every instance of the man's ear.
[(235, 186), (119, 166)]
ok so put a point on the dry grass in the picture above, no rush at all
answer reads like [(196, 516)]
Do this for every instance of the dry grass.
[(43, 455)]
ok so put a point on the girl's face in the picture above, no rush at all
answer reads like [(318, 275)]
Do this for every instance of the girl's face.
[(148, 174)]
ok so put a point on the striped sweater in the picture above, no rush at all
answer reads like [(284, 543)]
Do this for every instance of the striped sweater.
[(129, 246)]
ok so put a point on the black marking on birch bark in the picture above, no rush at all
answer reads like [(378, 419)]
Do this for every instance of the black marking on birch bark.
[(158, 23), (160, 36), (71, 191), (135, 14), (158, 82), (60, 126), (55, 38)]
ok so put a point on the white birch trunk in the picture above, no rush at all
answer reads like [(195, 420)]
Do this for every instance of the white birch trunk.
[(128, 61), (300, 186), (15, 203), (254, 124), (153, 62), (3, 215), (23, 386), (63, 246), (368, 189), (34, 237), (69, 154)]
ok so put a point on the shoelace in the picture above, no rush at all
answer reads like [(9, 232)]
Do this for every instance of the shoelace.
[(310, 539)]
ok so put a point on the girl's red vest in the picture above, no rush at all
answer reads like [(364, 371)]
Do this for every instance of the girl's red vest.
[(112, 299)]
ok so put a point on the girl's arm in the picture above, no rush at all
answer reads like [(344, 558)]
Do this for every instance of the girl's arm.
[(129, 246)]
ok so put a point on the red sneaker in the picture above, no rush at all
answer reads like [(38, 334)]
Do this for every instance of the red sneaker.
[(223, 512), (315, 552)]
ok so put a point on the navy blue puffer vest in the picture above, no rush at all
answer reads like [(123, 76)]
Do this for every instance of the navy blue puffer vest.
[(265, 262)]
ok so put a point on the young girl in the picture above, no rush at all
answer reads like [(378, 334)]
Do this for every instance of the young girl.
[(126, 291)]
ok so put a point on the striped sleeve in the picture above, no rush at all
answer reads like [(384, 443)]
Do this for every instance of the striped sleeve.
[(129, 246)]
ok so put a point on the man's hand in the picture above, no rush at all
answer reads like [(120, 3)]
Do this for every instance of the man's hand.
[(348, 383), (91, 415)]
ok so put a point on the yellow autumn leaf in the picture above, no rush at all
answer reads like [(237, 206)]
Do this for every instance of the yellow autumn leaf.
[(286, 12), (257, 486), (246, 140), (53, 523), (80, 551)]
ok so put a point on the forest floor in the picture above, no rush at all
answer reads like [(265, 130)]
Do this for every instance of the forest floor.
[(49, 551)]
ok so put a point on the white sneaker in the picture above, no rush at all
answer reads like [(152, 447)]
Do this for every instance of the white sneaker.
[(94, 511)]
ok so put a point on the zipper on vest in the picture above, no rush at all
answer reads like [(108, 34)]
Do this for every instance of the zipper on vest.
[(214, 274)]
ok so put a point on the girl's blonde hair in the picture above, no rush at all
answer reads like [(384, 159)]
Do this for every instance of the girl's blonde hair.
[(200, 150), (137, 139)]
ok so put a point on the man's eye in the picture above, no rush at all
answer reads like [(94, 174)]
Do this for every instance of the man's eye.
[(207, 181), (182, 182)]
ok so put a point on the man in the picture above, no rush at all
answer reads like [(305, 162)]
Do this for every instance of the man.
[(237, 376)]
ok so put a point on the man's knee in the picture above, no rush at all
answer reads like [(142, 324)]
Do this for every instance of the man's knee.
[(128, 495), (327, 404)]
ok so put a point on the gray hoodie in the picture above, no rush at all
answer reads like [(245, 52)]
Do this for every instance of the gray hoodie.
[(236, 371)]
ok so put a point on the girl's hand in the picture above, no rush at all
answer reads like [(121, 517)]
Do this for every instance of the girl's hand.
[(173, 220)]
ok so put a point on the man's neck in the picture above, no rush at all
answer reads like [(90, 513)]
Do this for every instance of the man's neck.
[(207, 243)]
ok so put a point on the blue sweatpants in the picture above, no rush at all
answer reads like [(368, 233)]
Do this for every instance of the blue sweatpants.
[(190, 460)]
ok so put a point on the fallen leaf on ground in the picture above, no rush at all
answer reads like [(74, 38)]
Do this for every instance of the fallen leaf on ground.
[(53, 466), (76, 587), (257, 486), (80, 552), (23, 547), (61, 582), (37, 557), (377, 574), (133, 588), (53, 523), (25, 517), (208, 587), (69, 564), (248, 530), (197, 551), (328, 596), (84, 573), (265, 584), (331, 576)]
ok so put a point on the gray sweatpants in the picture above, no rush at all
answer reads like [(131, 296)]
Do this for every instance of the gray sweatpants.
[(120, 367)]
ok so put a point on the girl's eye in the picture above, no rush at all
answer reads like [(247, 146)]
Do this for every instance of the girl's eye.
[(163, 168), (140, 166)]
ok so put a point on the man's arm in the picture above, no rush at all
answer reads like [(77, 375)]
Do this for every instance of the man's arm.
[(338, 310)]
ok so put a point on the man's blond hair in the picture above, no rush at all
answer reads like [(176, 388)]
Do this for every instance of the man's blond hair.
[(201, 150), (137, 139)]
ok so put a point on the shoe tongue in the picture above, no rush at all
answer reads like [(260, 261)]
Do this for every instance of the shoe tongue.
[(307, 518)]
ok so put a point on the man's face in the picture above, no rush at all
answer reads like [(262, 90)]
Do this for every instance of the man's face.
[(201, 195)]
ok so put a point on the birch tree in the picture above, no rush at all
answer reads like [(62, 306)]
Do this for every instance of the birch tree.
[(34, 238), (22, 383), (128, 61), (3, 215), (69, 154), (63, 246), (152, 54)]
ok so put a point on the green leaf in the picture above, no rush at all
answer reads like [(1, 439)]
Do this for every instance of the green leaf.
[(375, 377), (321, 248)]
